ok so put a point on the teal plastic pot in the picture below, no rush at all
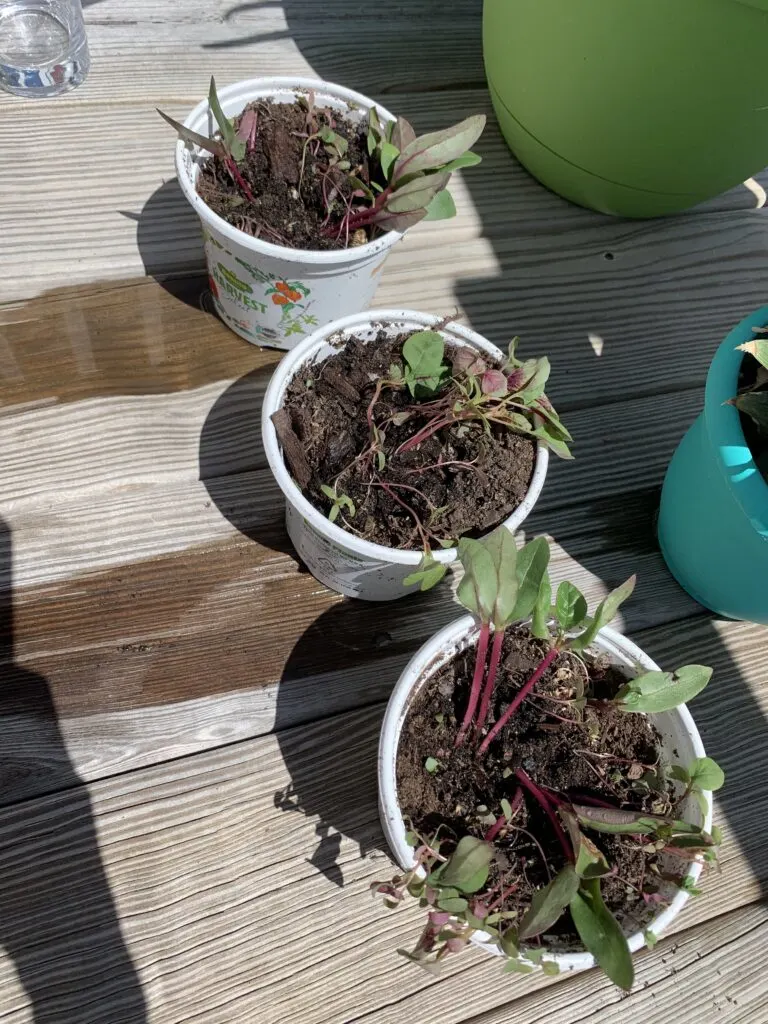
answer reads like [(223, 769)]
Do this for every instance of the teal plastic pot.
[(631, 107), (713, 521)]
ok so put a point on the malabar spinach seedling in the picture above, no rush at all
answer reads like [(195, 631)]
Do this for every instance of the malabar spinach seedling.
[(502, 585), (403, 182)]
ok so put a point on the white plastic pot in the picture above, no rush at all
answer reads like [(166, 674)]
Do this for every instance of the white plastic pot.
[(680, 743), (266, 293), (343, 562)]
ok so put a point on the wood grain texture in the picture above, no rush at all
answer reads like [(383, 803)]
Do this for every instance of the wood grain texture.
[(225, 872)]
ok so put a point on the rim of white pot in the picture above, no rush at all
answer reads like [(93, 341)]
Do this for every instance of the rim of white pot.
[(431, 656), (302, 355), (245, 91)]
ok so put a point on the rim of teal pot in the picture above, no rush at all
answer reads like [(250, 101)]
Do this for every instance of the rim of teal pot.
[(734, 458)]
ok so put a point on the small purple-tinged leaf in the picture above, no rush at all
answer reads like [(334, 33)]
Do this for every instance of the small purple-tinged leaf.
[(403, 134), (247, 124), (438, 918), (515, 380), (494, 383), (398, 221), (187, 135)]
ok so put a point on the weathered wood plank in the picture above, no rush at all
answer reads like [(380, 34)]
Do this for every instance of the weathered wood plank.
[(132, 218), (204, 863), (712, 971)]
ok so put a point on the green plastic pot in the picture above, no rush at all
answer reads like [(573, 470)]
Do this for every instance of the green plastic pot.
[(631, 107), (713, 521)]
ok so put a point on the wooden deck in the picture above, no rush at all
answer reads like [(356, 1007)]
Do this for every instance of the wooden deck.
[(188, 721)]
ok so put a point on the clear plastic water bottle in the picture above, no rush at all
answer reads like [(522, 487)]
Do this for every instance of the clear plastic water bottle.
[(43, 47)]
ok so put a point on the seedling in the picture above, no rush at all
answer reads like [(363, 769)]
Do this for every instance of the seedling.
[(340, 502), (753, 399), (403, 181), (502, 585), (449, 389), (492, 574)]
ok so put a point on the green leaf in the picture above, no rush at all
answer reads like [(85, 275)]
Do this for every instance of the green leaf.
[(706, 773), (653, 692), (389, 154), (503, 551), (601, 934), (570, 606), (555, 444), (532, 562), (416, 194), (537, 373), (431, 764), (757, 348), (550, 968), (234, 146), (755, 405), (517, 967), (650, 938), (548, 904), (423, 352), (541, 610), (435, 149), (679, 773), (467, 869), (477, 589), (453, 904), (590, 861), (506, 808), (411, 839), (465, 160), (606, 611), (509, 943), (428, 573), (441, 206), (203, 141)]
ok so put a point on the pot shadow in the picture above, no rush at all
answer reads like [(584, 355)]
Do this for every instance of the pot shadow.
[(334, 778), (233, 465), (168, 234), (55, 892)]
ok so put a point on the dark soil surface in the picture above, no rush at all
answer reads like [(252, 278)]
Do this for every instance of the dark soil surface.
[(608, 756), (290, 205), (323, 430), (756, 439)]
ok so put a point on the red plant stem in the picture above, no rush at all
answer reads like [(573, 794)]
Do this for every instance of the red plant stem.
[(481, 653), (244, 186), (490, 680), (501, 897), (425, 432), (524, 691), (541, 798)]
